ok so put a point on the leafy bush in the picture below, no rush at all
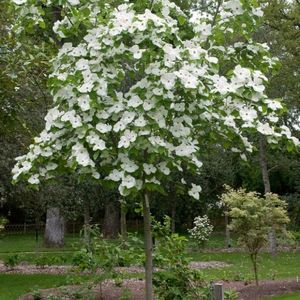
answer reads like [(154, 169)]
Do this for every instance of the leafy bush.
[(176, 280), (201, 231), (11, 261)]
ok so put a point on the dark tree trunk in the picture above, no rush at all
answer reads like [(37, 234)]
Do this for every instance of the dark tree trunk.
[(111, 222), (55, 228), (227, 231), (87, 220), (148, 247), (123, 220), (173, 216), (267, 187)]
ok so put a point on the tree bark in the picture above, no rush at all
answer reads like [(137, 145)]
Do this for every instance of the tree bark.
[(173, 216), (87, 220), (55, 228), (111, 222), (148, 246), (227, 231), (123, 220), (267, 189)]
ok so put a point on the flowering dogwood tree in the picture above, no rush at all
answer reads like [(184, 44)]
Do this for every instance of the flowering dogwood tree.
[(142, 86)]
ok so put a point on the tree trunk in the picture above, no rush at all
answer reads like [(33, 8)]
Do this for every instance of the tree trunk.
[(87, 220), (267, 188), (148, 246), (227, 231), (55, 228), (254, 263), (173, 216), (123, 220), (111, 223)]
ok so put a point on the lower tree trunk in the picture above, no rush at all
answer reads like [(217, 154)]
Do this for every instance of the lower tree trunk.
[(123, 220), (87, 219), (267, 188), (173, 216), (111, 223), (227, 232), (254, 263), (148, 246), (55, 228)]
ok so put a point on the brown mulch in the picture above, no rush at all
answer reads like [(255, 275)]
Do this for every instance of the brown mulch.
[(266, 288)]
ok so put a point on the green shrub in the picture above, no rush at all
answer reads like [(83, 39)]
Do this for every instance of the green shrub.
[(176, 280), (11, 261)]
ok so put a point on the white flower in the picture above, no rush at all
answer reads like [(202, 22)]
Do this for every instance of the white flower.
[(136, 51), (74, 2), (140, 122), (127, 138), (187, 79), (82, 64), (103, 128), (248, 114), (265, 129), (84, 102), (94, 139), (19, 2), (128, 182), (96, 175), (257, 12), (115, 175), (34, 179), (163, 168), (273, 104), (129, 166), (135, 101), (149, 168), (235, 6), (168, 80), (194, 191), (101, 89)]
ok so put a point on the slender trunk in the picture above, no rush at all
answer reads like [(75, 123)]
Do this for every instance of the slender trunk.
[(173, 216), (254, 263), (87, 219), (55, 228), (111, 221), (123, 220), (148, 246), (227, 232), (267, 188)]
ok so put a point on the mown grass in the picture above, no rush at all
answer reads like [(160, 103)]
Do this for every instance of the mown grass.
[(12, 286), (284, 265), (293, 296), (12, 243)]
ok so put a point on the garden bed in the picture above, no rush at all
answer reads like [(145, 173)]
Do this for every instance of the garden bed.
[(110, 290), (266, 288)]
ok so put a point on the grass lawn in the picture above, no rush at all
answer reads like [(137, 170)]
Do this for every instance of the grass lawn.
[(27, 243), (12, 286), (285, 265), (294, 296)]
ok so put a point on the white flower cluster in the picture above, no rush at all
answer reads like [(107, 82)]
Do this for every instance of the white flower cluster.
[(202, 230), (134, 97)]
